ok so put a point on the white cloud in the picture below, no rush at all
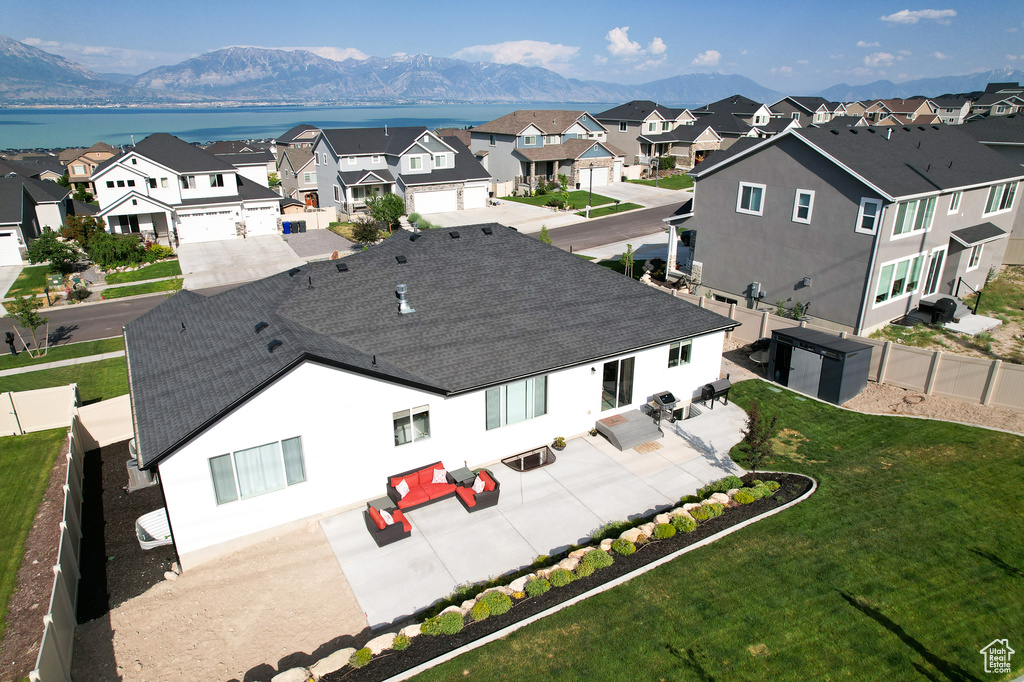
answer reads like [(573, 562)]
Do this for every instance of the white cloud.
[(1012, 29), (906, 16), (939, 55), (629, 51), (905, 53), (106, 59), (619, 43), (707, 58), (802, 61), (836, 56), (864, 43), (1012, 57), (657, 46), (879, 59), (337, 54), (744, 51), (598, 59), (784, 70), (861, 71), (400, 54), (525, 52)]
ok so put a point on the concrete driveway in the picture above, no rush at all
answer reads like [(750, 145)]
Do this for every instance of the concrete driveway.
[(539, 512), (523, 217), (211, 264), (644, 195), (8, 274)]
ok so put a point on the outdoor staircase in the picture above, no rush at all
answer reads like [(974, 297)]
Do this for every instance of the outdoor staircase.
[(629, 429)]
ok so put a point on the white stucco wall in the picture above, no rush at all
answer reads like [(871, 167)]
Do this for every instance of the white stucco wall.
[(346, 424)]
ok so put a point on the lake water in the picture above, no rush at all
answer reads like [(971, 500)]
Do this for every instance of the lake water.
[(53, 128)]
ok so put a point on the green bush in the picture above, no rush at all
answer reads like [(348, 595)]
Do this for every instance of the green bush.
[(666, 163), (431, 626), (664, 531), (684, 524), (156, 252), (686, 499), (714, 509), (719, 486), (613, 529), (497, 602), (598, 559), (623, 547), (744, 496), (360, 658), (772, 485), (78, 294), (560, 577), (451, 622), (365, 230), (705, 512), (583, 569), (540, 562), (480, 611), (115, 250), (401, 643), (61, 254), (537, 587)]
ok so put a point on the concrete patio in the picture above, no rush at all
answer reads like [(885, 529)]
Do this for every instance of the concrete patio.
[(539, 512)]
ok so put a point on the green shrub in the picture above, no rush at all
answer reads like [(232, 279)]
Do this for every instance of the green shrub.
[(744, 496), (537, 587), (401, 643), (451, 622), (714, 509), (365, 230), (583, 569), (78, 294), (701, 513), (431, 626), (623, 547), (360, 658), (61, 254), (666, 163), (684, 524), (560, 577), (497, 602), (686, 499), (772, 485), (115, 250), (613, 529), (664, 531), (156, 252), (480, 611), (719, 486), (598, 559)]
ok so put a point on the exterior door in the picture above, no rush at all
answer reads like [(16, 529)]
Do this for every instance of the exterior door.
[(931, 283), (805, 371)]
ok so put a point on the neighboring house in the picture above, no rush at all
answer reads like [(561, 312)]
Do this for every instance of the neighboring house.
[(855, 108), (27, 207), (776, 125), (808, 110), (952, 110), (297, 172), (531, 145), (167, 190), (999, 99), (83, 165), (689, 144), (296, 396), (66, 156), (842, 122), (461, 134), (1004, 134), (432, 174), (301, 136), (859, 223), (733, 117), (627, 123), (901, 112)]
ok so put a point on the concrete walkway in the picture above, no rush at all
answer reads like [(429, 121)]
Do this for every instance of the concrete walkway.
[(539, 512), (644, 195), (62, 363)]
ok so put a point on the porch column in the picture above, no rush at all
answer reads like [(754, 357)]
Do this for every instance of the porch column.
[(673, 246), (533, 175)]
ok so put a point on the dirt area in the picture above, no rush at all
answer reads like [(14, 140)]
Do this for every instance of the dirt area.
[(31, 598)]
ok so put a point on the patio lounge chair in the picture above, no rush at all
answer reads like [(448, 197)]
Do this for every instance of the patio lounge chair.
[(153, 529), (383, 533), (475, 501)]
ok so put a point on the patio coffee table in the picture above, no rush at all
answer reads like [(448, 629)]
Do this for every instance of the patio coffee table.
[(385, 503), (462, 476)]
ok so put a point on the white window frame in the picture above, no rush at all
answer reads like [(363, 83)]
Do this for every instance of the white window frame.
[(309, 178), (375, 158), (1004, 189), (234, 471), (216, 179), (551, 139), (623, 126), (350, 160), (975, 258), (529, 140), (440, 160), (163, 183), (922, 204), (954, 203), (922, 275), (416, 160), (409, 414), (652, 126), (795, 116), (676, 349), (666, 126), (810, 206), (530, 397), (337, 194), (739, 198), (860, 216), (188, 182)]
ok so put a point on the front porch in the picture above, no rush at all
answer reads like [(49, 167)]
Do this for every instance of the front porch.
[(150, 227), (543, 511)]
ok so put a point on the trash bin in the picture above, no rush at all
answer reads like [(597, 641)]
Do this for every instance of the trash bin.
[(301, 225), (287, 227)]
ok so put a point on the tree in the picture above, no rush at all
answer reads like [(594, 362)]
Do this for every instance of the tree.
[(757, 437), (114, 250), (82, 193), (273, 180), (63, 181), (627, 261), (365, 231), (387, 208), (25, 311), (80, 228), (48, 247), (544, 236)]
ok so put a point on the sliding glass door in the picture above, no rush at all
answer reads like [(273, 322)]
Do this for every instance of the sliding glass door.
[(617, 384)]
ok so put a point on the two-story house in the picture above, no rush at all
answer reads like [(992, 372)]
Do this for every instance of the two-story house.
[(167, 190), (999, 99), (808, 110), (857, 224), (27, 207), (297, 172), (531, 145), (734, 117), (952, 109), (82, 166), (432, 174), (900, 112), (254, 160), (628, 123), (300, 136)]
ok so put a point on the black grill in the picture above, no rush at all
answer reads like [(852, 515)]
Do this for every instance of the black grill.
[(716, 390), (943, 311)]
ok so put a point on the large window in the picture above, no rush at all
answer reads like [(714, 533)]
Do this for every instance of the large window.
[(665, 126), (617, 383), (914, 216), (259, 470), (679, 354), (551, 139), (128, 223), (216, 180), (516, 402), (867, 219), (415, 162), (440, 161), (652, 126), (412, 425), (899, 278), (803, 206), (188, 182), (622, 126), (529, 140), (750, 199), (1000, 198), (309, 178), (337, 193)]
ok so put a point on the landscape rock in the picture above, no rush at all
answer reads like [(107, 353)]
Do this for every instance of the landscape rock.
[(663, 518), (291, 675), (176, 568), (467, 605), (382, 643), (545, 573), (690, 505), (606, 544), (519, 584), (720, 498), (456, 609), (336, 661), (731, 492), (411, 631), (569, 563), (633, 534), (580, 553), (707, 502), (170, 575), (647, 529)]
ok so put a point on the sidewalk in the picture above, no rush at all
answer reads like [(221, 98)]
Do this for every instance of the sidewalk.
[(62, 363), (97, 288)]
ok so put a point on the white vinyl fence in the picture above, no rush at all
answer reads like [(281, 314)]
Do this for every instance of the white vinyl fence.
[(39, 410)]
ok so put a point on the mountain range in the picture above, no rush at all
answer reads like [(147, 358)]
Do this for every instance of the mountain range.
[(31, 76)]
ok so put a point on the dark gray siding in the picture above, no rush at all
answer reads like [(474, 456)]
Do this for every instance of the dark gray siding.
[(501, 163)]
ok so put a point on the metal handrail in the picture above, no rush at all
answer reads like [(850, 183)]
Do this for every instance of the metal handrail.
[(977, 301)]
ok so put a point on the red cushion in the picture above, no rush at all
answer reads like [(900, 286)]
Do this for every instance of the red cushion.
[(395, 480), (467, 495), (377, 519), (489, 484), (426, 475), (399, 516), (436, 490), (416, 496)]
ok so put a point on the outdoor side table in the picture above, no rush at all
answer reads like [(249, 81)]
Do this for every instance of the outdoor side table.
[(384, 503), (462, 476)]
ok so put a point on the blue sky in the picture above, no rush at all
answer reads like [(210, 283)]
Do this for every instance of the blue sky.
[(788, 46)]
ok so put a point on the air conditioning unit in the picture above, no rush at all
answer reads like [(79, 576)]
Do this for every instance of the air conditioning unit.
[(138, 478), (755, 290)]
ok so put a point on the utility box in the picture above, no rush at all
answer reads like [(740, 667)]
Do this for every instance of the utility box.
[(819, 364), (55, 280)]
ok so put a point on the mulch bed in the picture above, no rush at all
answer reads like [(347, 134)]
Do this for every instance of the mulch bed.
[(425, 648), (31, 598)]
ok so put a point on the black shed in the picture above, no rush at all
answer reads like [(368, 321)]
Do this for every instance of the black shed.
[(819, 364)]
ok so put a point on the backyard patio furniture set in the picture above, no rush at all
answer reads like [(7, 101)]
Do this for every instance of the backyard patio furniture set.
[(385, 517)]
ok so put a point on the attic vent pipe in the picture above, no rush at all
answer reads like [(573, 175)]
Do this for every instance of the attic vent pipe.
[(403, 303), (888, 133)]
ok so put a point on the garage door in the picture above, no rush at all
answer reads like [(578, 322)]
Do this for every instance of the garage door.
[(474, 197), (206, 227), (600, 176), (436, 202), (9, 254), (260, 221)]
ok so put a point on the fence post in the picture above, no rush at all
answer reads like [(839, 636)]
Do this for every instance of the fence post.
[(884, 361), (732, 316), (842, 335), (803, 324), (764, 326), (933, 371), (990, 384), (700, 302)]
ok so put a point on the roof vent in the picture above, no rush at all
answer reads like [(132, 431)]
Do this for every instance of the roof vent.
[(514, 229), (906, 129), (273, 345), (888, 133), (294, 271), (853, 131), (454, 234), (402, 260), (342, 267), (413, 237), (403, 304), (260, 326), (487, 230), (834, 132)]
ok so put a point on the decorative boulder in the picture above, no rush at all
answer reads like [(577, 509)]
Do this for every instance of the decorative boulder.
[(720, 498), (731, 492), (382, 643), (410, 631), (569, 563), (545, 573), (519, 584), (336, 661), (647, 529), (690, 505), (606, 544), (663, 518), (579, 553), (467, 605), (456, 609), (633, 534), (291, 675)]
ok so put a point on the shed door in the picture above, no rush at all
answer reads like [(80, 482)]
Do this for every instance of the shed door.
[(9, 253), (805, 371)]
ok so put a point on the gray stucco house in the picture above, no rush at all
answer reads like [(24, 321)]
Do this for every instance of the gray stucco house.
[(632, 125), (857, 223)]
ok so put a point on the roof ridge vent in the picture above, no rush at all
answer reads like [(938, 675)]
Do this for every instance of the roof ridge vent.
[(454, 234), (403, 303), (273, 345)]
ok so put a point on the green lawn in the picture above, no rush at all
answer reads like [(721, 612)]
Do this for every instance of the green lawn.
[(167, 268), (148, 288), (25, 465), (577, 199), (66, 352), (638, 267), (608, 210), (679, 181), (907, 560), (30, 282), (96, 380)]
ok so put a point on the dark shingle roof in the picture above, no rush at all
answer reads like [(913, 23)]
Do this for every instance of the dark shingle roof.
[(638, 110), (355, 177), (236, 147), (467, 167), (248, 190), (810, 104), (723, 122), (737, 104), (247, 158), (838, 122), (489, 309), (174, 153), (548, 121), (45, 191), (775, 124), (1005, 129), (978, 234), (289, 136), (355, 141), (12, 200), (570, 149)]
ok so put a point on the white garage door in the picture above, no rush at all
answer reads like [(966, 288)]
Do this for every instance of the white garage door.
[(600, 176), (260, 221), (9, 254), (437, 201), (206, 227), (474, 197)]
